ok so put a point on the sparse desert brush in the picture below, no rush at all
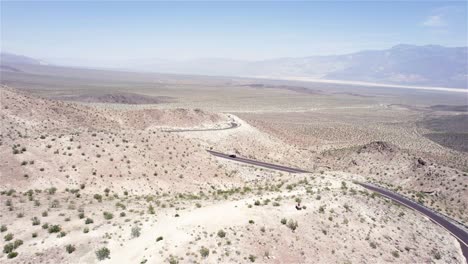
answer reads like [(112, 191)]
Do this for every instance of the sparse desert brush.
[(45, 214), (252, 258), (3, 228), (35, 221), (52, 190), (173, 260), (108, 215), (54, 229), (159, 238), (292, 224), (151, 209), (204, 252), (102, 253), (98, 197), (12, 255), (70, 248), (221, 233), (89, 221), (8, 237), (135, 232), (86, 230)]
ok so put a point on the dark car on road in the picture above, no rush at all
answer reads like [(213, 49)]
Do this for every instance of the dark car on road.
[(233, 156)]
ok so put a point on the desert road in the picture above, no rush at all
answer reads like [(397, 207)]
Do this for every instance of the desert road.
[(460, 234), (257, 163), (232, 125)]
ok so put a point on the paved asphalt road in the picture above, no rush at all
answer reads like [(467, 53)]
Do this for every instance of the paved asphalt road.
[(457, 232), (232, 125), (257, 163), (460, 234)]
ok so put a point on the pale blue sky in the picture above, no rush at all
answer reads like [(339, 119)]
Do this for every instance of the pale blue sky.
[(237, 30)]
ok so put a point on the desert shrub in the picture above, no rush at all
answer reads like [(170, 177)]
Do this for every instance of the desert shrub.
[(89, 221), (45, 214), (136, 231), (159, 239), (102, 253), (45, 226), (8, 202), (373, 245), (55, 204), (3, 228), (62, 234), (284, 221), (98, 197), (35, 221), (86, 230), (70, 248), (54, 229), (204, 252), (221, 233), (173, 260), (17, 243), (321, 209), (52, 190), (292, 224), (108, 216), (151, 209), (8, 248), (120, 205), (252, 258), (395, 254), (122, 214), (34, 234), (257, 203), (8, 237), (251, 222), (12, 255), (81, 215)]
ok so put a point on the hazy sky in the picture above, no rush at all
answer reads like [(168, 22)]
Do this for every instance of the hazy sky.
[(237, 30)]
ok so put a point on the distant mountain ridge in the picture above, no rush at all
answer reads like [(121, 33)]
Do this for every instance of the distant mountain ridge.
[(9, 58), (430, 65)]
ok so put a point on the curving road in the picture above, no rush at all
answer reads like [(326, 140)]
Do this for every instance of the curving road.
[(232, 125), (257, 163), (460, 234)]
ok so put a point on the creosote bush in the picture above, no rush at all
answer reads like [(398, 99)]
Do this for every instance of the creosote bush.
[(221, 233), (70, 248), (292, 224), (136, 231), (204, 252), (102, 253)]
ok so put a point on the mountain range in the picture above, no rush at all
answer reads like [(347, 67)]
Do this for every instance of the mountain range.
[(430, 65)]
